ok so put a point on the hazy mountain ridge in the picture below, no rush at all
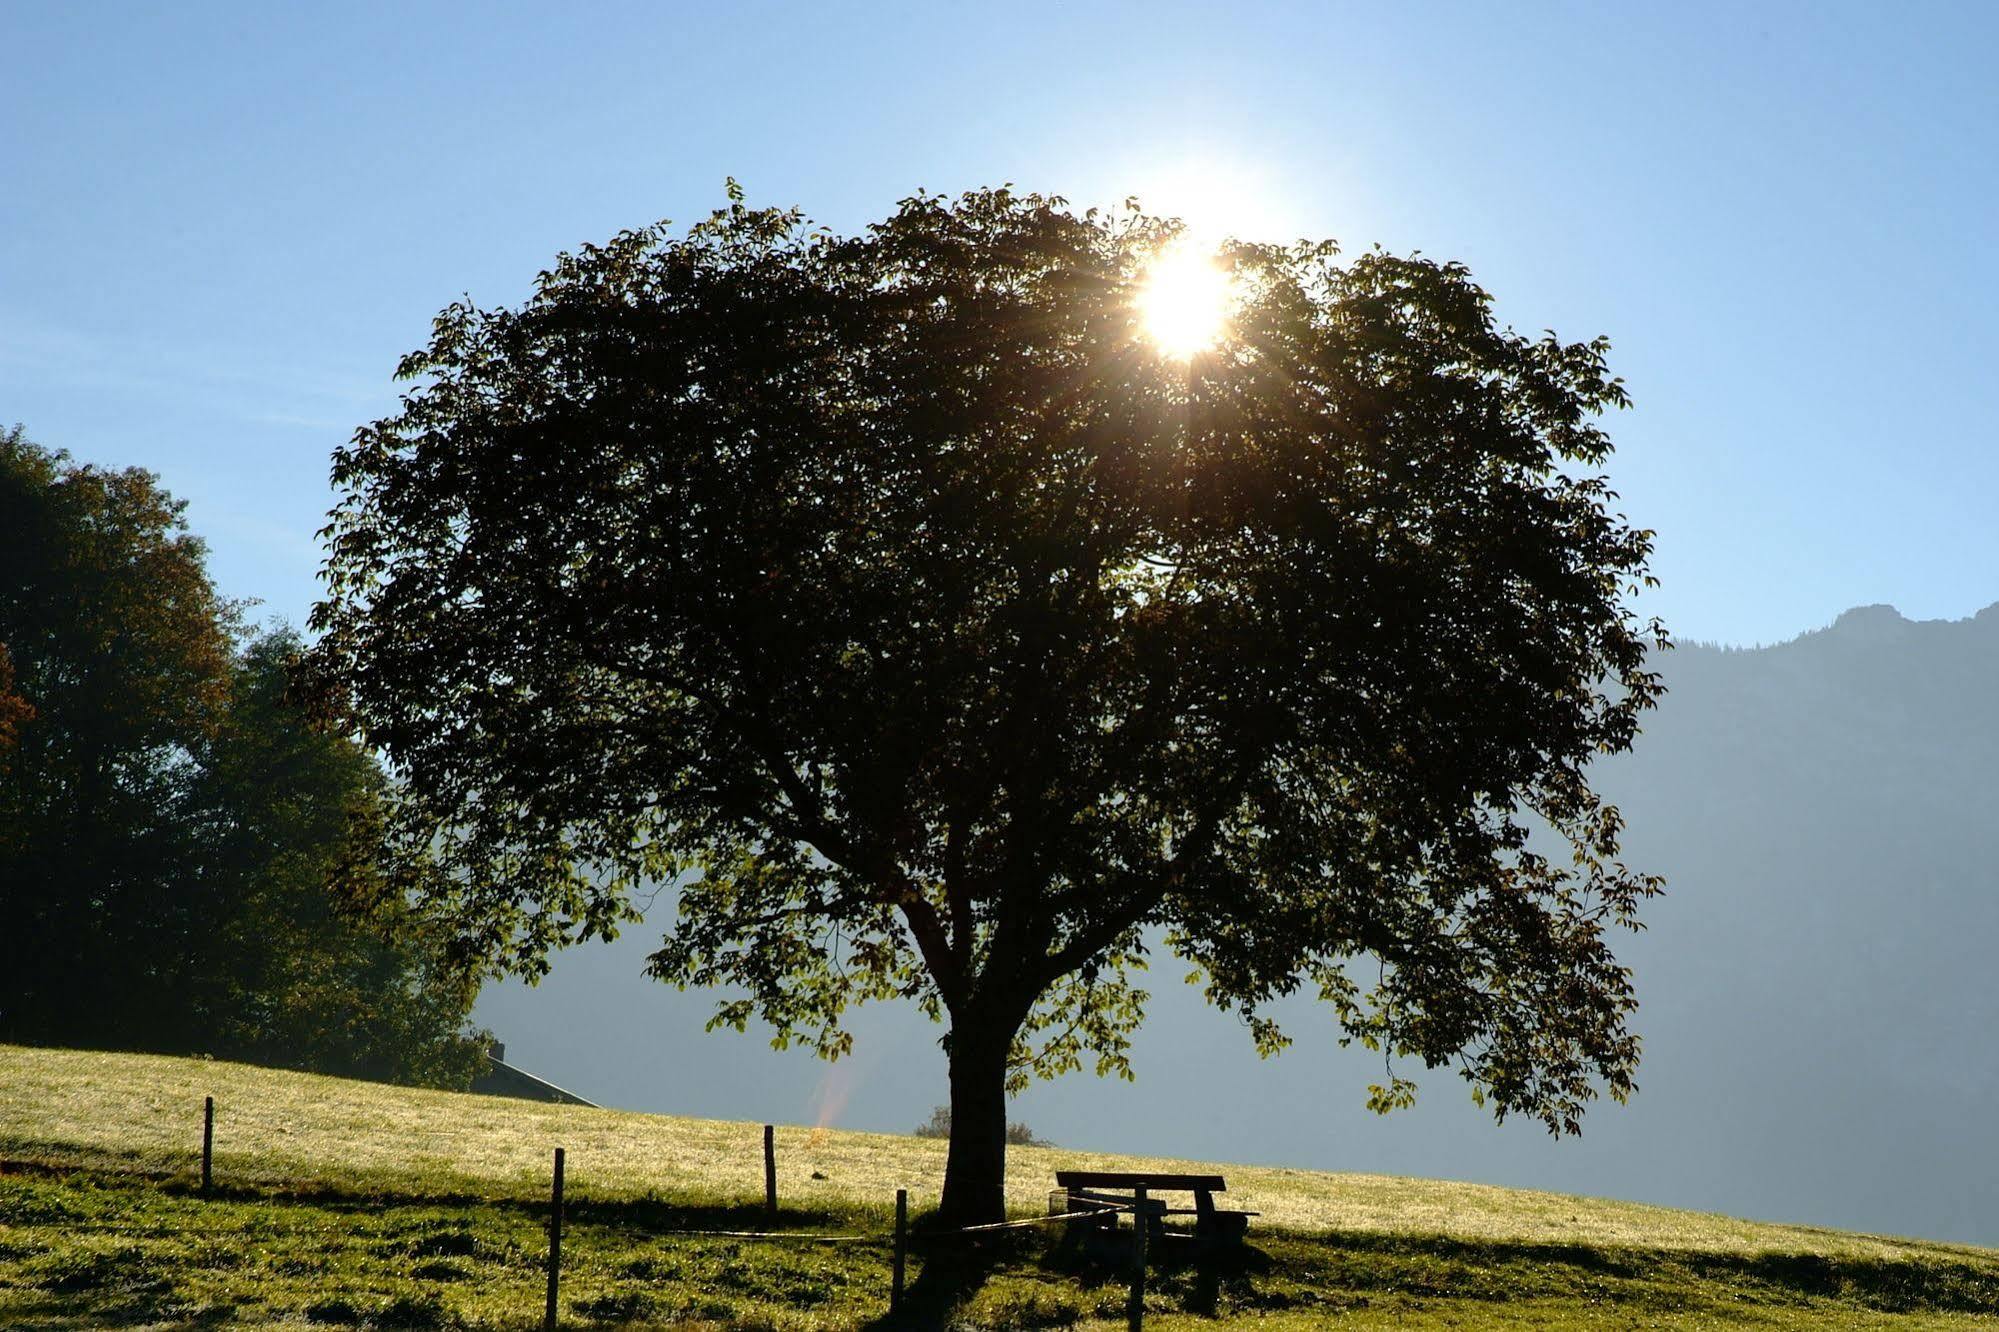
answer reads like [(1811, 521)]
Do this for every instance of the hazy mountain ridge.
[(1816, 985), (1819, 973)]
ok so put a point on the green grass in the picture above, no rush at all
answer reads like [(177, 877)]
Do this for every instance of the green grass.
[(344, 1204)]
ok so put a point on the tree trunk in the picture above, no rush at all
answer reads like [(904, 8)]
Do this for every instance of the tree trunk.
[(975, 1170)]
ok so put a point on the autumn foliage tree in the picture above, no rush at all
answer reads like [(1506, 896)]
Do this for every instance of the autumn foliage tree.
[(14, 710), (947, 640)]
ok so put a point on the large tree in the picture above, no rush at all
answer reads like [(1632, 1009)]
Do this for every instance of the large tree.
[(122, 648), (949, 639)]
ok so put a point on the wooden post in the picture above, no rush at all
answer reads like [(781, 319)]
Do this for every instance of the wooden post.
[(770, 1175), (901, 1247), (208, 1144), (1140, 1223), (554, 1245)]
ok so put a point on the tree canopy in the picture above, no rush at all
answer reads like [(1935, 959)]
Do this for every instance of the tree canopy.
[(949, 641), (170, 826)]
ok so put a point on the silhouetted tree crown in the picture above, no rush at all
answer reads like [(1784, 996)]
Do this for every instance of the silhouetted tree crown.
[(945, 638)]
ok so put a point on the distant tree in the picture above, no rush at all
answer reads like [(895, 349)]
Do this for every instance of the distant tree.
[(169, 827), (939, 1126), (947, 636), (296, 977)]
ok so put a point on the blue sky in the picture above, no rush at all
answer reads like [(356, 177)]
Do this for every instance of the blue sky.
[(222, 225)]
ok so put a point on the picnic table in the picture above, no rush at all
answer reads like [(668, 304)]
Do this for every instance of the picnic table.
[(1097, 1197)]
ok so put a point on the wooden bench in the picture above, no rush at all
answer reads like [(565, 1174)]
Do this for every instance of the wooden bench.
[(1098, 1196)]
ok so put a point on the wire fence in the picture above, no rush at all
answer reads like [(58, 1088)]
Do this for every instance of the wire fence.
[(1075, 1211), (172, 1230)]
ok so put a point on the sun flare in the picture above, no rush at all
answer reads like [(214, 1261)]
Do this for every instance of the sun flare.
[(1185, 300)]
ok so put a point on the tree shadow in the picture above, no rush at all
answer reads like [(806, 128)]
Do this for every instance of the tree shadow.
[(1180, 1267), (951, 1269), (648, 1213), (1206, 1271)]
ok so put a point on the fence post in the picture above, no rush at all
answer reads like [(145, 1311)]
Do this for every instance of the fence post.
[(1140, 1217), (901, 1247), (208, 1144), (770, 1175), (554, 1244)]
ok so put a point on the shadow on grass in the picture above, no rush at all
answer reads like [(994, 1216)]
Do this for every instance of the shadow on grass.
[(950, 1272), (1501, 1270), (1193, 1274), (953, 1269), (1278, 1271), (646, 1214)]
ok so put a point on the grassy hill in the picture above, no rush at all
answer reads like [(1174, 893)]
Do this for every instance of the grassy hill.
[(351, 1204)]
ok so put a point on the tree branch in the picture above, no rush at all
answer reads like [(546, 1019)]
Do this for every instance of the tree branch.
[(892, 887), (957, 892), (935, 945), (1091, 940)]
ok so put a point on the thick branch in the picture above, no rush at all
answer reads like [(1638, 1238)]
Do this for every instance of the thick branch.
[(1141, 898), (935, 945), (958, 892), (891, 886)]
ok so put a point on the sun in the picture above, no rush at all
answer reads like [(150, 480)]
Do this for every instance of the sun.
[(1185, 300)]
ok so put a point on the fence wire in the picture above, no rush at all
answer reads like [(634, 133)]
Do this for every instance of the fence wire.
[(254, 1229)]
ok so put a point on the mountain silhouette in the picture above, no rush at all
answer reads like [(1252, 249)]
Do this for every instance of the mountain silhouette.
[(1819, 1002)]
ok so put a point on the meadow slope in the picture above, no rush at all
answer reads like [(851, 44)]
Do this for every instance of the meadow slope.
[(380, 1206)]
